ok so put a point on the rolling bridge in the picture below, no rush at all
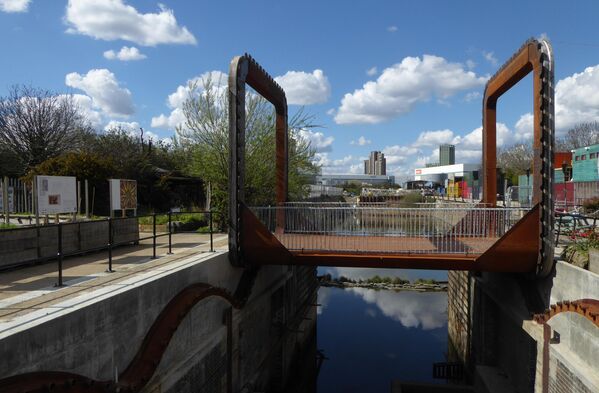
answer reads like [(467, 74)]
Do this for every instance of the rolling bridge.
[(481, 237)]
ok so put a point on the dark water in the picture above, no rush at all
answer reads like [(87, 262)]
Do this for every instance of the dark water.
[(372, 337)]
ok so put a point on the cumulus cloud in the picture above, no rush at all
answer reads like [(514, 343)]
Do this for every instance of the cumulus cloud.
[(392, 29), (302, 88), (400, 87), (361, 141), (411, 309), (14, 5), (473, 95), (133, 128), (433, 138), (103, 88), (318, 140), (125, 54), (86, 108), (176, 99), (115, 20), (332, 166), (576, 101)]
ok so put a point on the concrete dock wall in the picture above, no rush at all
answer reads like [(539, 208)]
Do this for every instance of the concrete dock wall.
[(100, 333)]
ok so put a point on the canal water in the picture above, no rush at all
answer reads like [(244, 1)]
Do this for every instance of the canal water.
[(372, 337)]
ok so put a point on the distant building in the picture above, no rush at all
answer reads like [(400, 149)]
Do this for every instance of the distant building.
[(336, 180), (376, 164), (446, 155)]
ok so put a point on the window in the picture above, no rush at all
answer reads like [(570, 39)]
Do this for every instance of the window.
[(577, 158), (583, 157), (592, 156)]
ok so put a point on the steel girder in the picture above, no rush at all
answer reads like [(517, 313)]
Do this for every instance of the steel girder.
[(534, 56), (245, 70)]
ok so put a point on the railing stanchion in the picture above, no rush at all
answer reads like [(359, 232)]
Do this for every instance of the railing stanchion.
[(153, 235), (559, 228), (211, 237), (59, 255), (110, 238), (170, 233)]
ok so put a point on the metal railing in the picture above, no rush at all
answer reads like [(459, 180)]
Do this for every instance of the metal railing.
[(574, 226), (389, 230), (100, 245)]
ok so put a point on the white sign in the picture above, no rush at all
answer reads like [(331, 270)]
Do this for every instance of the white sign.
[(11, 200), (56, 194)]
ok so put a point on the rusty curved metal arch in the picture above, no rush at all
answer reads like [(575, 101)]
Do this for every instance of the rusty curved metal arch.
[(245, 70), (144, 363), (588, 308), (534, 56)]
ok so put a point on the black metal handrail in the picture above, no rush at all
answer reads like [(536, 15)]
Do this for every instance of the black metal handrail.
[(110, 244)]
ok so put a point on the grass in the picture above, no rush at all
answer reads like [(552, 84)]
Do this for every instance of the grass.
[(7, 226)]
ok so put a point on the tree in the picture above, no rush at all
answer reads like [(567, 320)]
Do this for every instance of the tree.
[(582, 134), (515, 160), (205, 134), (37, 124)]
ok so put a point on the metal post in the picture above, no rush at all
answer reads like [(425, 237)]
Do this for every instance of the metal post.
[(153, 235), (5, 200), (170, 233), (109, 246), (59, 255), (559, 228), (86, 198), (211, 237)]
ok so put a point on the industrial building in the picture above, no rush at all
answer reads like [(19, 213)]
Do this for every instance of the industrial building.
[(457, 180)]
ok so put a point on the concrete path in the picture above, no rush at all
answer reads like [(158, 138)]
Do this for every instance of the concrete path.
[(32, 288)]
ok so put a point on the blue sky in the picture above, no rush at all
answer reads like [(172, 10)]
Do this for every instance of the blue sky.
[(400, 77)]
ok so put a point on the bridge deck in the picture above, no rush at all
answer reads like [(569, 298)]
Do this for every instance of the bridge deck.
[(300, 243)]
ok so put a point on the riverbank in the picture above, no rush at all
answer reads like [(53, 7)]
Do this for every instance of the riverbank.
[(385, 284)]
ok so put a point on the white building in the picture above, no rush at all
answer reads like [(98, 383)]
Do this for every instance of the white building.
[(438, 174)]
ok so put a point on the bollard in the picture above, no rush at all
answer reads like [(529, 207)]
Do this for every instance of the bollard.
[(170, 233), (153, 235), (211, 238), (59, 255), (109, 246)]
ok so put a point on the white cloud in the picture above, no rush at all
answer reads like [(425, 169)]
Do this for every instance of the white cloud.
[(176, 99), (331, 112), (576, 101), (302, 88), (372, 71), (125, 54), (318, 140), (411, 309), (361, 141), (473, 95), (14, 5), (134, 130), (392, 29), (86, 108), (490, 57), (400, 87), (330, 166), (114, 20), (102, 86), (470, 64), (433, 138)]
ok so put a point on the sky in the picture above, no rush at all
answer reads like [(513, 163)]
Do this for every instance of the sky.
[(396, 76)]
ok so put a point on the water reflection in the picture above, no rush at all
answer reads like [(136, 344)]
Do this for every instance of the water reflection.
[(372, 337), (363, 273), (413, 309)]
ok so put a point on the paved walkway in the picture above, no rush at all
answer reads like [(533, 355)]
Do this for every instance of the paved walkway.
[(32, 288)]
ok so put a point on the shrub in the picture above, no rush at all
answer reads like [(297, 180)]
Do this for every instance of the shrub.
[(591, 205)]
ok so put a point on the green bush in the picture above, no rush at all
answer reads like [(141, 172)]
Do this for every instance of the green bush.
[(591, 205)]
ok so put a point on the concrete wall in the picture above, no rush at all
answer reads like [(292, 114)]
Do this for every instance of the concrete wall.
[(28, 244), (100, 334), (501, 336)]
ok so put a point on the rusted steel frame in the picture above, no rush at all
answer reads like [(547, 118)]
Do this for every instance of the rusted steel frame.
[(245, 70), (145, 362), (588, 308), (534, 56)]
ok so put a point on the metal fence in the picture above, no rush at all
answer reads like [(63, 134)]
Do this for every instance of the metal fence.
[(390, 230), (60, 240)]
